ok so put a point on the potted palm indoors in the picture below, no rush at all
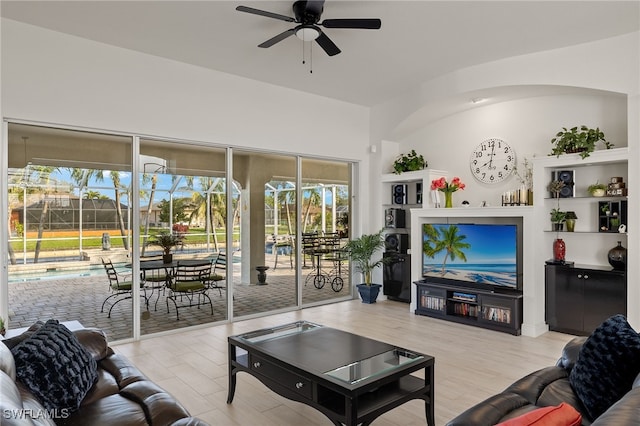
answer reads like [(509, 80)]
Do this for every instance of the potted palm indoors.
[(167, 241), (361, 251)]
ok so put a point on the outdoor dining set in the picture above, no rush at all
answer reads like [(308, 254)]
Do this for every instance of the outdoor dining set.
[(185, 283)]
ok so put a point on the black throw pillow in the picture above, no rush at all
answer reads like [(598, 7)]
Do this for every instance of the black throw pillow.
[(607, 365), (55, 367)]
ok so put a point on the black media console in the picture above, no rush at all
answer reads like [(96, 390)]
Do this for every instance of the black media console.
[(482, 308)]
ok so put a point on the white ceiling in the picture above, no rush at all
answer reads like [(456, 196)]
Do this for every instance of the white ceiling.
[(418, 41)]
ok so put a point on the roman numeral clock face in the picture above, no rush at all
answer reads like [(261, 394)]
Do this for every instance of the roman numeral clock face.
[(492, 161)]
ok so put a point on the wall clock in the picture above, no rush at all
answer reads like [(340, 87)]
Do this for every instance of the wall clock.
[(492, 161)]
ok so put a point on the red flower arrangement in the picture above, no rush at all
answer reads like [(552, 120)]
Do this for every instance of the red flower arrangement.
[(447, 187)]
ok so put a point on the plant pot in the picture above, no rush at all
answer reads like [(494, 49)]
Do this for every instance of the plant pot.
[(167, 258), (598, 192), (557, 226), (369, 293)]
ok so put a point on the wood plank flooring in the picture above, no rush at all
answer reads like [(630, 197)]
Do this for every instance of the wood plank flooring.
[(471, 364)]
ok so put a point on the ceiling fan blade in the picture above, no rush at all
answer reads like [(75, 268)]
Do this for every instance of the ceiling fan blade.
[(278, 38), (265, 13), (365, 24), (327, 45)]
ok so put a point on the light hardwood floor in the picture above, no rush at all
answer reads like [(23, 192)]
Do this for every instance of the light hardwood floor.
[(471, 364)]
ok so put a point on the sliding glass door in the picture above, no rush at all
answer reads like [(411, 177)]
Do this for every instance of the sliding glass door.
[(86, 235), (182, 195), (69, 210)]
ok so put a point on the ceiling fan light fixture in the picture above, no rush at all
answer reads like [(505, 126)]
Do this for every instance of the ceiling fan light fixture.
[(307, 33)]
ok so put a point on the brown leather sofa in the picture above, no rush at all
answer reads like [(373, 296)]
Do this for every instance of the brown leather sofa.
[(550, 387), (121, 396)]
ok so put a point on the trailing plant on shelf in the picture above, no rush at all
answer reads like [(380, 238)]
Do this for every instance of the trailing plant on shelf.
[(580, 140), (597, 189), (409, 162)]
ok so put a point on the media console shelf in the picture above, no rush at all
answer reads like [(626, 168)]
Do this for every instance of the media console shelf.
[(482, 308)]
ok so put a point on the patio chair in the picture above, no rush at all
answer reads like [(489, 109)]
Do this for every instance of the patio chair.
[(189, 284), (217, 279), (282, 244), (154, 279), (120, 285), (310, 242)]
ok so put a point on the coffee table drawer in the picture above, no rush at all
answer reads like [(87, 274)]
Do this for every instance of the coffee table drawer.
[(286, 378)]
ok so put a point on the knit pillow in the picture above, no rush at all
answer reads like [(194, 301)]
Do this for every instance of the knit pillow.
[(607, 364), (55, 367)]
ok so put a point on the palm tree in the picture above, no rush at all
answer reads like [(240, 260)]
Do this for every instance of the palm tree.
[(42, 174), (82, 176), (214, 188), (95, 195), (444, 238), (313, 198)]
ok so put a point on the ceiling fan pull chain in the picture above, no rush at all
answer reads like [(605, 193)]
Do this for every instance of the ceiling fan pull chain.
[(311, 58)]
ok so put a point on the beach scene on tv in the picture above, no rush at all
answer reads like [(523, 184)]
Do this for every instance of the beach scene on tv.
[(477, 253)]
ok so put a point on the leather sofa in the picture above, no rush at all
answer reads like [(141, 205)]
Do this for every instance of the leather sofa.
[(121, 395), (549, 387)]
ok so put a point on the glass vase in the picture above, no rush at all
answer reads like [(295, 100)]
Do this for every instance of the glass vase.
[(448, 200)]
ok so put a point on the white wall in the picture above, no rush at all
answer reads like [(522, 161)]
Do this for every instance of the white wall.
[(58, 78), (527, 125)]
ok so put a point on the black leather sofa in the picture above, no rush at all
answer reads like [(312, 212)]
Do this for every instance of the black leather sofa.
[(121, 395), (550, 386)]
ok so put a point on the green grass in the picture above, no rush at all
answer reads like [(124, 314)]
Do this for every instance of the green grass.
[(71, 243)]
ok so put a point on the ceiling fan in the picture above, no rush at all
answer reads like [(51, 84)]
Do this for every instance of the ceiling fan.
[(307, 15)]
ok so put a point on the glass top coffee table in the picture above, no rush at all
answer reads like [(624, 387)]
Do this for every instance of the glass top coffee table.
[(349, 378)]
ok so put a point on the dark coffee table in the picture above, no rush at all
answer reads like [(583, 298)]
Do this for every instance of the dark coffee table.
[(349, 378)]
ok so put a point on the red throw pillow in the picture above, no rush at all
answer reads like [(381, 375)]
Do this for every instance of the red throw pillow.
[(561, 415)]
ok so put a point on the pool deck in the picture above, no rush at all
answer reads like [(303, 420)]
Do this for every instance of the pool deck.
[(80, 298)]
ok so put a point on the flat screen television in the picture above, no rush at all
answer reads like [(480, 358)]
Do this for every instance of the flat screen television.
[(485, 256)]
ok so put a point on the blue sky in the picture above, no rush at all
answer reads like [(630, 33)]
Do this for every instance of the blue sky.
[(489, 243)]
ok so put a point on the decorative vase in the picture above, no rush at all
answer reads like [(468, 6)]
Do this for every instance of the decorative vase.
[(618, 257), (559, 250), (571, 225), (448, 200)]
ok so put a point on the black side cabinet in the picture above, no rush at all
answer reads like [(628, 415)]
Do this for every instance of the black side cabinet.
[(578, 299)]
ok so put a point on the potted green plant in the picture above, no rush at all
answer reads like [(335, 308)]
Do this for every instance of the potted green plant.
[(361, 251), (557, 219), (409, 162), (574, 140), (597, 189), (3, 331), (167, 241), (570, 219)]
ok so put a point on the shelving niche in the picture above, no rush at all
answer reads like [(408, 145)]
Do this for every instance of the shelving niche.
[(594, 234)]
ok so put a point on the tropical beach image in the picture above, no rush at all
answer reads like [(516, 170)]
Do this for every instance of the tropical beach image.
[(477, 253)]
